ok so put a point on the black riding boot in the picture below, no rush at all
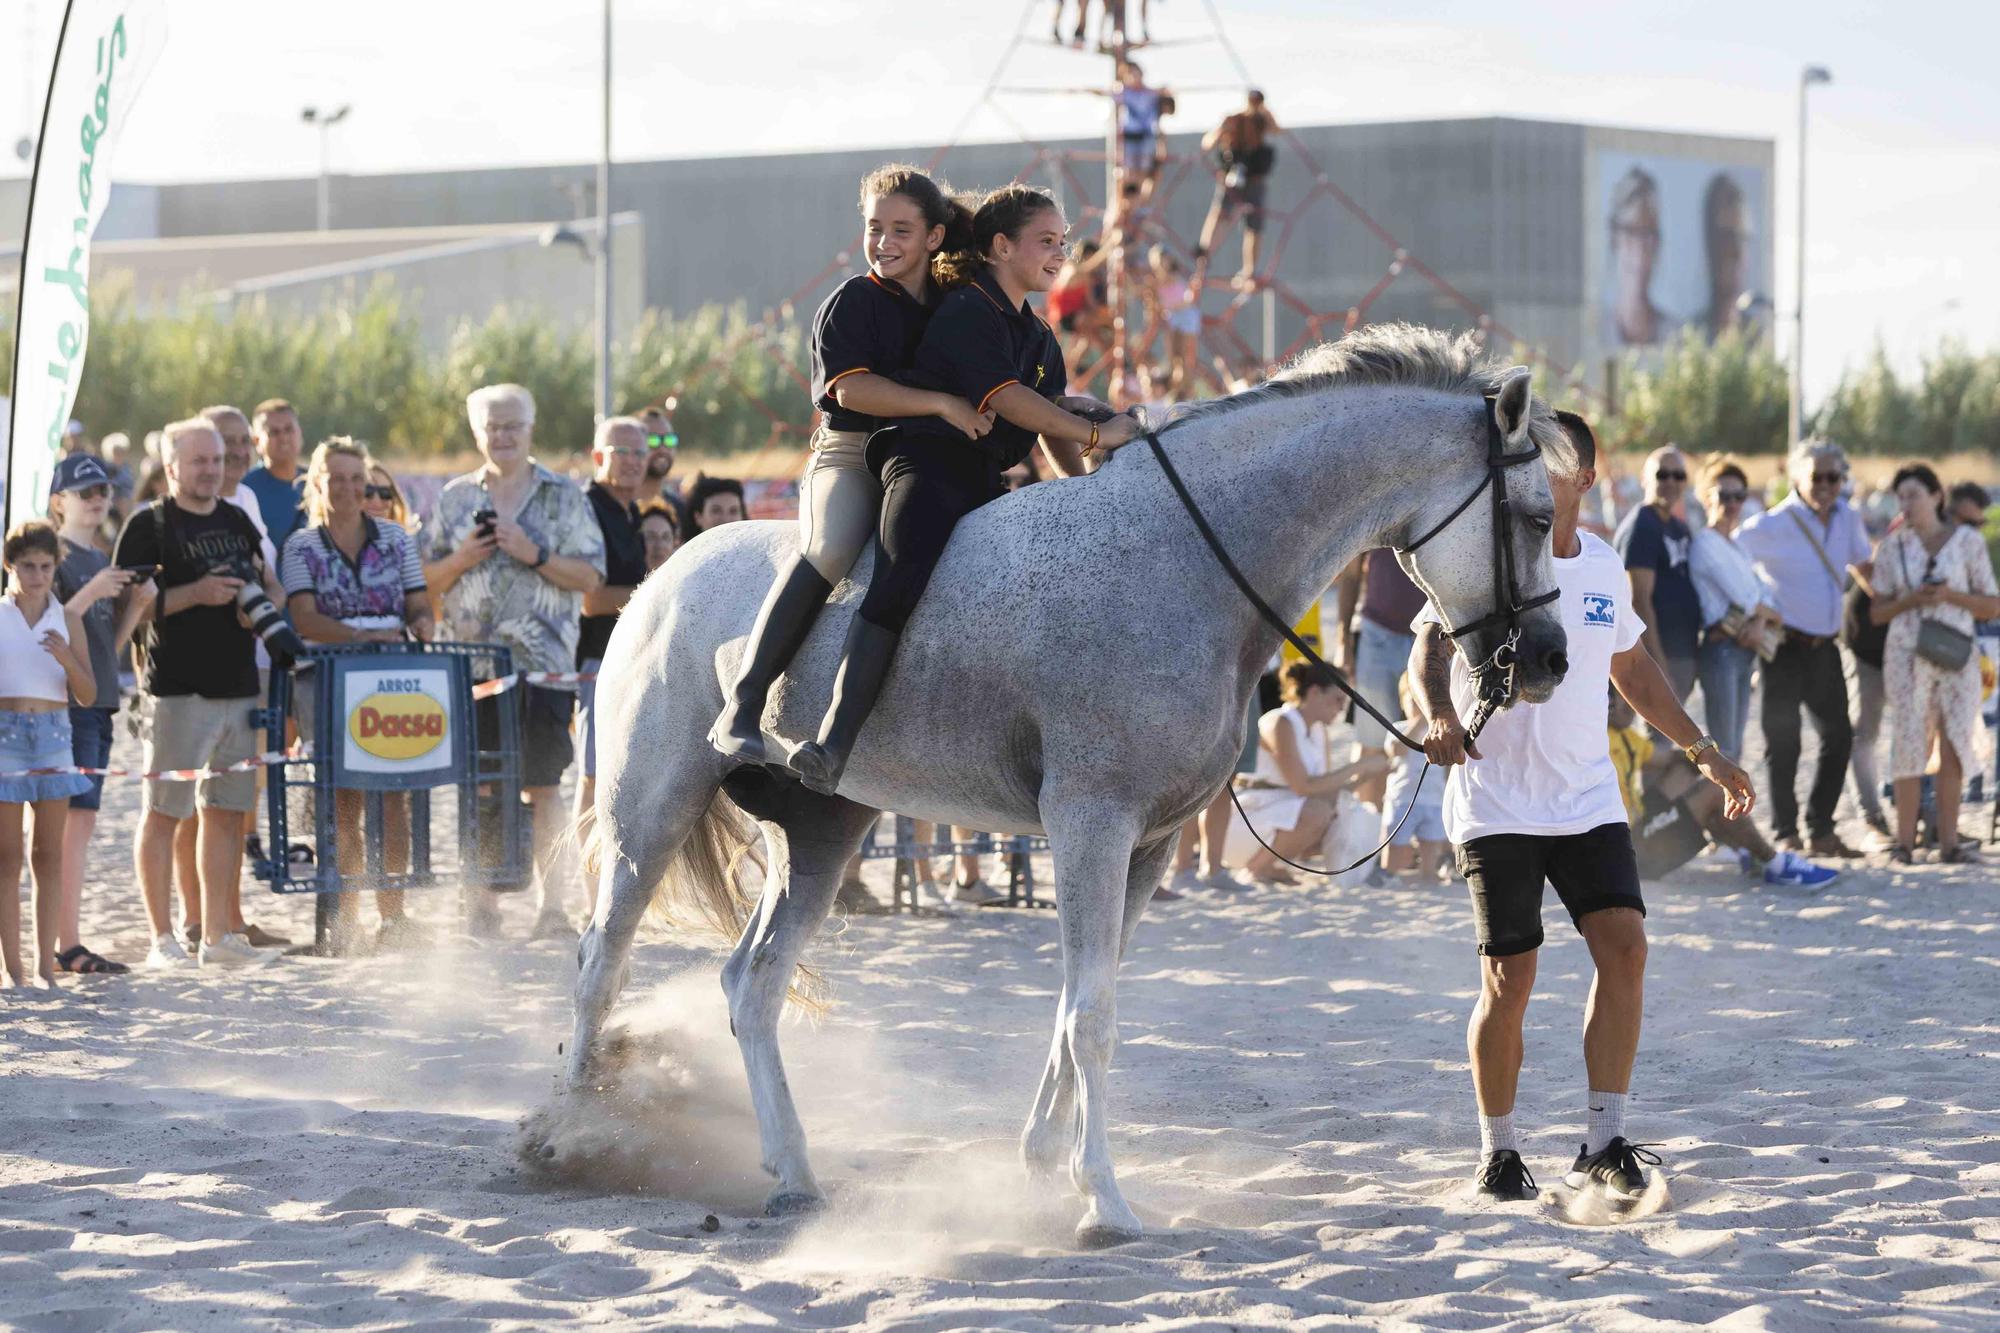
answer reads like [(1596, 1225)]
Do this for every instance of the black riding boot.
[(864, 664), (782, 625)]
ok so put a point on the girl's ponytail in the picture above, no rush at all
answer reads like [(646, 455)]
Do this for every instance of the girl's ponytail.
[(958, 260)]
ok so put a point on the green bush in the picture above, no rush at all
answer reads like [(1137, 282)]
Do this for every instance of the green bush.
[(361, 368), (1729, 395), (1953, 406)]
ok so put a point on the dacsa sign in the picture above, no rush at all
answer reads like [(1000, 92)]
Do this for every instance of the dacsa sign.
[(397, 721)]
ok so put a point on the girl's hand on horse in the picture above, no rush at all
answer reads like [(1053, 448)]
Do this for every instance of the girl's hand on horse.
[(1119, 430), (963, 416)]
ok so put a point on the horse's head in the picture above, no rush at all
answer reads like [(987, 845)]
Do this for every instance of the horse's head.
[(1481, 563)]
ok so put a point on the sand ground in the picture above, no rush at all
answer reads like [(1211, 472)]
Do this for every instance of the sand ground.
[(333, 1143)]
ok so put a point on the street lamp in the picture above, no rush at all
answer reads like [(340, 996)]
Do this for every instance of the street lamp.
[(1808, 76), (325, 121)]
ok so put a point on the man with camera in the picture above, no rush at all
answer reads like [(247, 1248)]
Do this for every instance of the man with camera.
[(509, 553), (206, 605)]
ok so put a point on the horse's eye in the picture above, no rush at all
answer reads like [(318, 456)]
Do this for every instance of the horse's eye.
[(1541, 525)]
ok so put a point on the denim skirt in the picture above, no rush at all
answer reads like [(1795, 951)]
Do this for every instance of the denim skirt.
[(37, 740)]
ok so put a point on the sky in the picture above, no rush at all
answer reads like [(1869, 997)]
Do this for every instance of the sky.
[(1903, 247)]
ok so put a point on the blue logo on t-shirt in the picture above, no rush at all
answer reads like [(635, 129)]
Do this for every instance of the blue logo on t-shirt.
[(1599, 609)]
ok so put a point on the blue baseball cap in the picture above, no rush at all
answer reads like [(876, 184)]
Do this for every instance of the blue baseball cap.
[(76, 472)]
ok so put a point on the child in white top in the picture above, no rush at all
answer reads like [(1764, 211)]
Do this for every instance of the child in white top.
[(1420, 845), (38, 673)]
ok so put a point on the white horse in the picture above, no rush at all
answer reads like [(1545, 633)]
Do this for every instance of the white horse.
[(1080, 666)]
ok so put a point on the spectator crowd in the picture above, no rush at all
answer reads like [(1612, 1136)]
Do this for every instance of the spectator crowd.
[(155, 599), (171, 596)]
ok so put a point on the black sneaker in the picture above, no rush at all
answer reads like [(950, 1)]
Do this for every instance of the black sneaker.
[(1618, 1171), (1503, 1175)]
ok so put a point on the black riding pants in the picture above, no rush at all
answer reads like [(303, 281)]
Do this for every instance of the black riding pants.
[(1809, 676), (928, 484)]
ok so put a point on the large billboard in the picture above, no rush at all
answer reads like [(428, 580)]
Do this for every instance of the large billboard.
[(1676, 243)]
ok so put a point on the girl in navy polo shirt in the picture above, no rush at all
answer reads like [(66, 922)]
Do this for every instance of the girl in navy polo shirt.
[(865, 334), (986, 346)]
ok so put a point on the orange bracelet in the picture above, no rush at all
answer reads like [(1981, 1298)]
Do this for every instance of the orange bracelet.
[(1091, 447)]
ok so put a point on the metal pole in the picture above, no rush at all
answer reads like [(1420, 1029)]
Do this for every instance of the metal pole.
[(604, 408), (325, 210), (1114, 278), (1795, 425)]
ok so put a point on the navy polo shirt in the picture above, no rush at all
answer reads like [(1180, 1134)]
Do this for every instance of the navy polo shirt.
[(978, 344), (866, 325)]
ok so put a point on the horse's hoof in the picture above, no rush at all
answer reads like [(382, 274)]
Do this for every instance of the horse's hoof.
[(1098, 1236), (792, 1203)]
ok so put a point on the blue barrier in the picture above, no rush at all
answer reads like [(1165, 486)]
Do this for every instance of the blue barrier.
[(1018, 849), (395, 721)]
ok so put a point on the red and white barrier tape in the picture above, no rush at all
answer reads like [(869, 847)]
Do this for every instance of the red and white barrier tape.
[(263, 760), (487, 689)]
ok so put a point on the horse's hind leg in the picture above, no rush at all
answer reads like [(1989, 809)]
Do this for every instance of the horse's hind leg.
[(1051, 1127), (811, 841)]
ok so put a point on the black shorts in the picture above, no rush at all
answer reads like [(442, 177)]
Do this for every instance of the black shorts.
[(1505, 872), (1668, 836), (544, 713)]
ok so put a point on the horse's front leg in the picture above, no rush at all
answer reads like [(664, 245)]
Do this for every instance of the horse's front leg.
[(1092, 840), (1051, 1126)]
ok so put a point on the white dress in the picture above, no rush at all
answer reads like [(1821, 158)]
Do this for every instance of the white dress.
[(1273, 807), (1923, 700)]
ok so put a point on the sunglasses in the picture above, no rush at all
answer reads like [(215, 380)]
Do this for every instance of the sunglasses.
[(379, 492), (1664, 475), (666, 441), (1732, 497)]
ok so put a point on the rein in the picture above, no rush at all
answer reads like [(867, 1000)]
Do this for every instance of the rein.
[(1494, 677)]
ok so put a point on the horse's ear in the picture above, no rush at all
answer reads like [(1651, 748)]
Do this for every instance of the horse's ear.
[(1510, 405)]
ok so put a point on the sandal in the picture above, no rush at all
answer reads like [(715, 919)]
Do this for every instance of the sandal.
[(1961, 853), (80, 959), (1900, 855)]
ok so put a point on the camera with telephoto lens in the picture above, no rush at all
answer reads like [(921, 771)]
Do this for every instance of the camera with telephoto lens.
[(266, 620)]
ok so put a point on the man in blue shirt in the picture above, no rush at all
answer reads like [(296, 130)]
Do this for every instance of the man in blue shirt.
[(1654, 545), (279, 485), (1803, 548)]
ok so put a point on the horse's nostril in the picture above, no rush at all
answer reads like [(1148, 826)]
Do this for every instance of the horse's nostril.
[(1557, 662)]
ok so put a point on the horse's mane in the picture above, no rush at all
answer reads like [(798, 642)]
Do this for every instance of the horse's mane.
[(1397, 354)]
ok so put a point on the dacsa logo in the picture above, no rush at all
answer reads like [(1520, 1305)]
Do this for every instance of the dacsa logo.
[(1599, 609), (397, 726)]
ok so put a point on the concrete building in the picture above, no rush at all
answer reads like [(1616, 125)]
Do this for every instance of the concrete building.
[(1584, 241)]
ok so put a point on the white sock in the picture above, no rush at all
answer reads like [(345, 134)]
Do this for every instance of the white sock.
[(1607, 1120), (1497, 1132)]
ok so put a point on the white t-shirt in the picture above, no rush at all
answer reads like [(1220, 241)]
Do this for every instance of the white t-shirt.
[(1548, 768), (26, 669)]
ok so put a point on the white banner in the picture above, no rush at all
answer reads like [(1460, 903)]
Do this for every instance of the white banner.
[(106, 50)]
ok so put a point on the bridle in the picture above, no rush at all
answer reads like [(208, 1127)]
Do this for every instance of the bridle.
[(1493, 678)]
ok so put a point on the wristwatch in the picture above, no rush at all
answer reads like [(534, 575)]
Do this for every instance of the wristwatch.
[(1700, 743), (542, 558)]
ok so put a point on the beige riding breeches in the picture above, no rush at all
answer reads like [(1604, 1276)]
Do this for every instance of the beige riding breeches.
[(839, 501)]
